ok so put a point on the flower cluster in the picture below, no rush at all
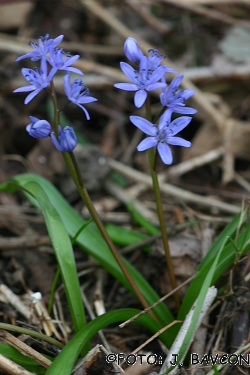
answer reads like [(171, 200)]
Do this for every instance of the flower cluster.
[(51, 60), (151, 76)]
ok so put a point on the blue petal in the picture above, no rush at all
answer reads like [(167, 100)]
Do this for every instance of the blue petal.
[(86, 99), (66, 81), (74, 70), (84, 110), (184, 110), (155, 86), (32, 95), (177, 141), (147, 143), (187, 93), (140, 97), (158, 73), (58, 40), (165, 119), (25, 88), (144, 125), (165, 153), (55, 141), (128, 71), (180, 123), (126, 86), (33, 119), (175, 83), (71, 60)]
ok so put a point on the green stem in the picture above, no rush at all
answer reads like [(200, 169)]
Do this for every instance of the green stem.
[(152, 156), (74, 171)]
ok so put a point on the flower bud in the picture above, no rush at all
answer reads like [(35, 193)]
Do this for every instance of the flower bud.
[(38, 128), (66, 141), (132, 50)]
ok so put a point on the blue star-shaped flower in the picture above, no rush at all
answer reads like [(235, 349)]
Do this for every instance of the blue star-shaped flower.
[(38, 80), (142, 82), (77, 93), (163, 135)]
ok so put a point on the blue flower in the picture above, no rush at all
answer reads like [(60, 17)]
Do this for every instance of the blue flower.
[(143, 81), (175, 100), (38, 80), (59, 60), (162, 135), (38, 128), (77, 93), (41, 49), (132, 50), (66, 141)]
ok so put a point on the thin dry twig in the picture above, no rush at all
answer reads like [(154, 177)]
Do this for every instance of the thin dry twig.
[(24, 349), (196, 162), (208, 12), (173, 190), (12, 368), (156, 303)]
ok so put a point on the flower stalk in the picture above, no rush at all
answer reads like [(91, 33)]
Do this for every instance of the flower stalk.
[(152, 156)]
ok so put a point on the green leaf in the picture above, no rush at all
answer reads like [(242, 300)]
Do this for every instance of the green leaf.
[(63, 251), (137, 216), (65, 361), (227, 259), (199, 303)]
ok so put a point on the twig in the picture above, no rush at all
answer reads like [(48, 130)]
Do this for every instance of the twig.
[(210, 13), (156, 303), (242, 182), (156, 23), (173, 190), (25, 241), (12, 368), (198, 161), (24, 349)]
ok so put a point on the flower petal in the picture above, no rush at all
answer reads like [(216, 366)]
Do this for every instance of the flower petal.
[(126, 86), (180, 123), (165, 153), (158, 73), (140, 97), (32, 95), (75, 70), (184, 110), (55, 142), (128, 71), (66, 81), (165, 119), (86, 99), (177, 141), (175, 83), (144, 125), (84, 110), (25, 88), (155, 86), (147, 143)]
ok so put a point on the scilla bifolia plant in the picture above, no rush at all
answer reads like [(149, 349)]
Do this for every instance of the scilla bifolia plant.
[(52, 59), (62, 220), (150, 76)]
